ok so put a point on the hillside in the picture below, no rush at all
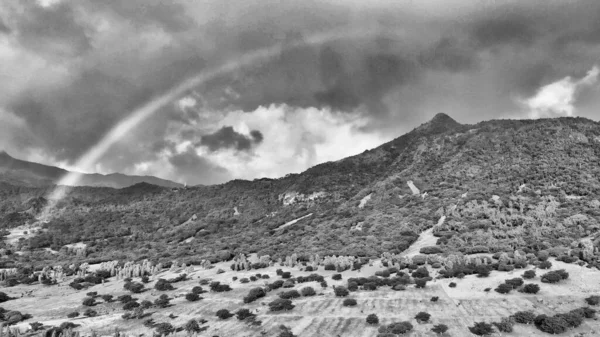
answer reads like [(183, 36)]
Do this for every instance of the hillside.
[(23, 173), (502, 185)]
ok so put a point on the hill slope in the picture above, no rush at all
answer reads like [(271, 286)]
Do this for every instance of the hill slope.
[(23, 173), (504, 184)]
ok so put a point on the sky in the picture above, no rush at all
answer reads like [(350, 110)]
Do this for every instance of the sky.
[(339, 77)]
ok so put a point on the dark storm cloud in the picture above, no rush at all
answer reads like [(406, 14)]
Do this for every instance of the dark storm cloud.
[(195, 169), (508, 28), (3, 27), (449, 54), (227, 138)]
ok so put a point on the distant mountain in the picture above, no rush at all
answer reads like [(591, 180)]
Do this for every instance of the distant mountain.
[(23, 173), (495, 186)]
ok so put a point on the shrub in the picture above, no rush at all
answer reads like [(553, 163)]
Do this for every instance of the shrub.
[(529, 274), (421, 282), (285, 332), (281, 304), (146, 304), (552, 325), (218, 287), (431, 250), (593, 300), (92, 294), (481, 329), (514, 282), (349, 302), (452, 285), (323, 284), (439, 329), (400, 328), (163, 285), (265, 276), (163, 301), (531, 288), (253, 278), (254, 294), (107, 298), (421, 272), (523, 317), (422, 317), (434, 299), (336, 277), (244, 280), (504, 288), (341, 291), (90, 313), (545, 265), (308, 291), (289, 294), (505, 325), (329, 266), (309, 268), (286, 275), (223, 314), (372, 319), (482, 270), (197, 290), (131, 305), (244, 313), (145, 279), (192, 326), (73, 314), (192, 297), (554, 276), (134, 287), (89, 301), (125, 298), (164, 329)]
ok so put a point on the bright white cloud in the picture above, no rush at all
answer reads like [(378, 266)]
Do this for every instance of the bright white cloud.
[(558, 98)]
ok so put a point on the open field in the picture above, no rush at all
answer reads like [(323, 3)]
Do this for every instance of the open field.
[(320, 315)]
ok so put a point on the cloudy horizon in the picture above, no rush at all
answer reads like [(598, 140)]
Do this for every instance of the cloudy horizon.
[(72, 70)]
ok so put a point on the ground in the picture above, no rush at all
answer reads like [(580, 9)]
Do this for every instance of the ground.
[(321, 315)]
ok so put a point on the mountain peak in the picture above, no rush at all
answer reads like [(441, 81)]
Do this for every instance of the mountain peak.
[(442, 118), (439, 123)]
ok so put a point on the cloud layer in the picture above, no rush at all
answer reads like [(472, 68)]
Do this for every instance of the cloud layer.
[(73, 69)]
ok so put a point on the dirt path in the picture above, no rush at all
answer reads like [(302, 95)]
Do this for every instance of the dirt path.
[(425, 239)]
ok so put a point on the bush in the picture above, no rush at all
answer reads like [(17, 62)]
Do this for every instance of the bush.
[(286, 275), (134, 287), (253, 278), (223, 314), (529, 274), (400, 328), (192, 297), (515, 282), (552, 325), (281, 304), (163, 285), (421, 282), (504, 288), (89, 302), (431, 250), (349, 302), (163, 301), (218, 287), (73, 314), (244, 280), (593, 300), (452, 285), (192, 326), (309, 268), (90, 313), (308, 291), (439, 329), (131, 305), (107, 298), (244, 313), (531, 288), (555, 276), (372, 319), (341, 291), (146, 304), (422, 317), (254, 294), (545, 265), (289, 294), (505, 325), (329, 266), (163, 329), (197, 290), (482, 271), (125, 298), (421, 272), (323, 284), (523, 317), (92, 294), (336, 277), (481, 329), (434, 299)]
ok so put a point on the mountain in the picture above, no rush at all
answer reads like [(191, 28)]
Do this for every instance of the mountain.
[(494, 186), (24, 173)]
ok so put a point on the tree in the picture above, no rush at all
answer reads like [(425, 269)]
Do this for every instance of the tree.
[(73, 314), (420, 282), (505, 325), (482, 270), (349, 302), (514, 282), (421, 272), (131, 305), (281, 304), (125, 298), (223, 314), (482, 329), (163, 285), (197, 290), (163, 301), (289, 294), (90, 313), (545, 265), (552, 325), (439, 329), (422, 317), (285, 332), (372, 319), (164, 329), (134, 287), (529, 274), (107, 298), (254, 294), (89, 302), (336, 277), (4, 297)]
